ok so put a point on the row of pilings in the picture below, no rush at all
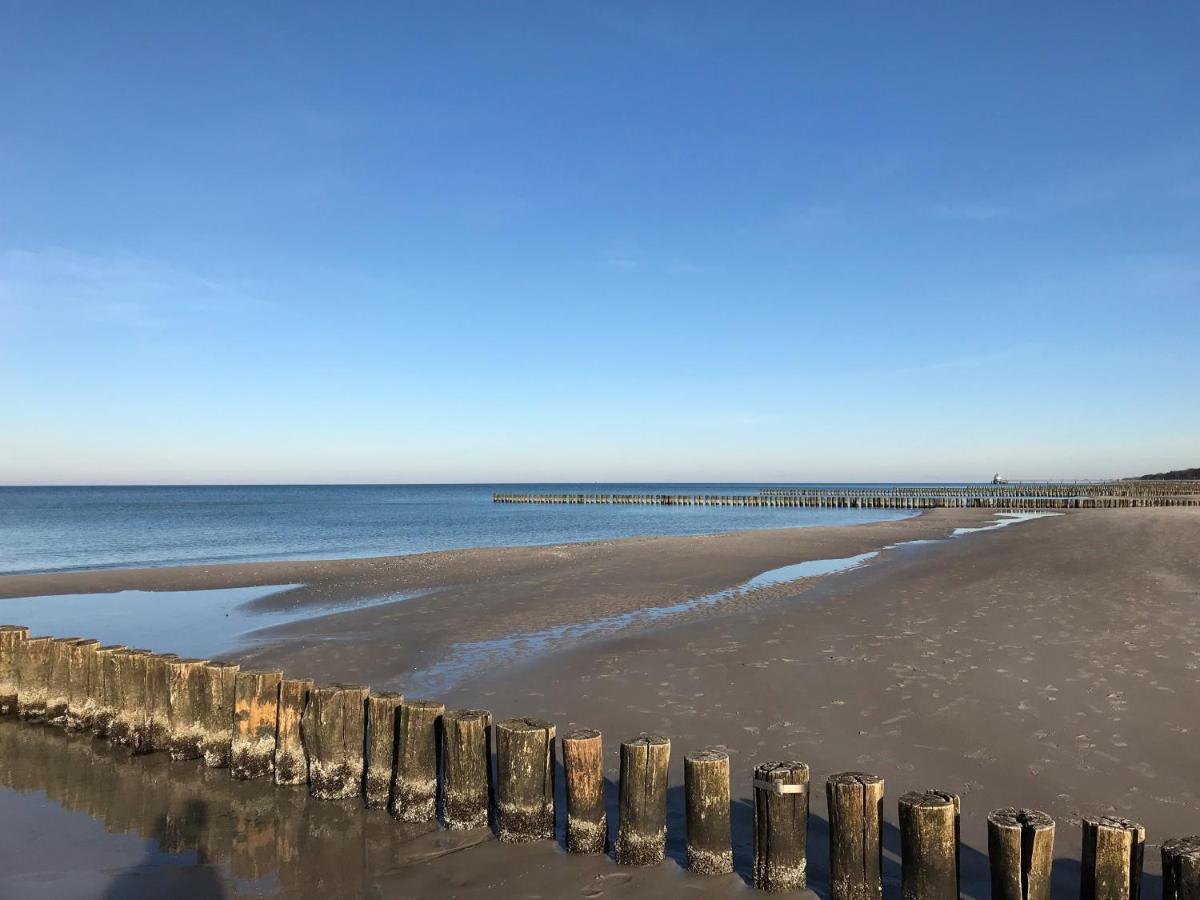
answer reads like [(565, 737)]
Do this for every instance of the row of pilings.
[(1004, 497), (427, 764)]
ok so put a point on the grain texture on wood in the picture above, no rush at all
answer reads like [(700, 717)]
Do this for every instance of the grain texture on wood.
[(334, 729), (929, 827), (709, 829), (58, 680), (855, 802), (291, 762), (130, 714), (466, 759), (524, 780), (382, 709), (642, 822), (418, 741), (103, 684), (583, 771), (1181, 868), (1020, 852), (220, 694), (1113, 851), (158, 701), (781, 826), (187, 685)]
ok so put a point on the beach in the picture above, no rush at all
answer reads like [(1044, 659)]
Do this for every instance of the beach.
[(1048, 664)]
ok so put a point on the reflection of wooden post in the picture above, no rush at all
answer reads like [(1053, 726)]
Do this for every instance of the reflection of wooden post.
[(10, 636), (583, 767), (642, 826), (220, 682), (781, 826), (291, 765), (158, 701), (1181, 868), (524, 780), (855, 802), (466, 754), (79, 701), (33, 674), (929, 845), (334, 731), (709, 833), (1021, 851), (1112, 858), (255, 712), (381, 747), (414, 787)]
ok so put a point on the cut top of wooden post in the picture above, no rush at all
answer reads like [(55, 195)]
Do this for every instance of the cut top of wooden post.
[(1113, 849)]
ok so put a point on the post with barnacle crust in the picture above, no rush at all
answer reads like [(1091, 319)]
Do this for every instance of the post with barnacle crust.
[(187, 686), (129, 706), (33, 674), (781, 826), (255, 712), (467, 771), (10, 637), (709, 832), (158, 701), (1021, 852), (1113, 849), (855, 801), (524, 780), (220, 687), (291, 763), (583, 768), (415, 781), (58, 685), (79, 700), (102, 684), (642, 826), (334, 730), (929, 845), (1181, 868), (381, 747)]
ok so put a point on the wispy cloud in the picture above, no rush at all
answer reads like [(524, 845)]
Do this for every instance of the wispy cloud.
[(124, 290)]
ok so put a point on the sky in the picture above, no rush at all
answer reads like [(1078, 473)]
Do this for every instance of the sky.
[(447, 242)]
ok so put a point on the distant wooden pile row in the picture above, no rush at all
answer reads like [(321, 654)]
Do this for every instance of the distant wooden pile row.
[(428, 764), (1065, 495)]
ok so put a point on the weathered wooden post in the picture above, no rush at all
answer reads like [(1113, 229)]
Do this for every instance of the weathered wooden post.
[(188, 684), (158, 701), (381, 747), (583, 768), (709, 829), (291, 764), (255, 713), (130, 714), (334, 729), (1021, 852), (220, 694), (781, 826), (524, 780), (58, 683), (855, 801), (33, 674), (1113, 849), (642, 823), (929, 845), (10, 637), (467, 770), (104, 695), (414, 784), (79, 701), (1181, 868)]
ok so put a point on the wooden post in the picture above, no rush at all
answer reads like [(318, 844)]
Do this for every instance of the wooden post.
[(709, 830), (642, 823), (414, 785), (929, 845), (188, 683), (855, 801), (10, 637), (33, 673), (158, 700), (781, 826), (583, 767), (216, 742), (101, 681), (334, 730), (58, 685), (1112, 858), (467, 775), (381, 747), (255, 712), (1181, 868), (129, 710), (291, 764), (524, 780), (1021, 852), (79, 701)]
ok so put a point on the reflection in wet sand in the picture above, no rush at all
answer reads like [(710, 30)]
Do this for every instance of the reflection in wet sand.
[(205, 834)]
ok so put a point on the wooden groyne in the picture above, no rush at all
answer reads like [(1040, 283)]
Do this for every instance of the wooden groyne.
[(1067, 495), (354, 743)]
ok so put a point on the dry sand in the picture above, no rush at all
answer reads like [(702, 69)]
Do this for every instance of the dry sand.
[(1052, 664)]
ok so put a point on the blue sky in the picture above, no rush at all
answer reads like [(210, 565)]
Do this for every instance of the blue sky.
[(405, 242)]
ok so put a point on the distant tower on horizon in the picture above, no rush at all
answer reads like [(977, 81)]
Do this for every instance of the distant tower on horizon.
[(996, 479)]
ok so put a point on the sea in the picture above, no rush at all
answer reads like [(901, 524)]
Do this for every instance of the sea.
[(57, 529)]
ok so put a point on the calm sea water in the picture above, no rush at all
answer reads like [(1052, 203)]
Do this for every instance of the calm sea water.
[(49, 529)]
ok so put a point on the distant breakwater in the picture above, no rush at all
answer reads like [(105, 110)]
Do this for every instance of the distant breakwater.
[(1048, 495)]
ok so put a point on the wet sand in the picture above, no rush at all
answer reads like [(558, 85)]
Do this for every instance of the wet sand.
[(1050, 664)]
